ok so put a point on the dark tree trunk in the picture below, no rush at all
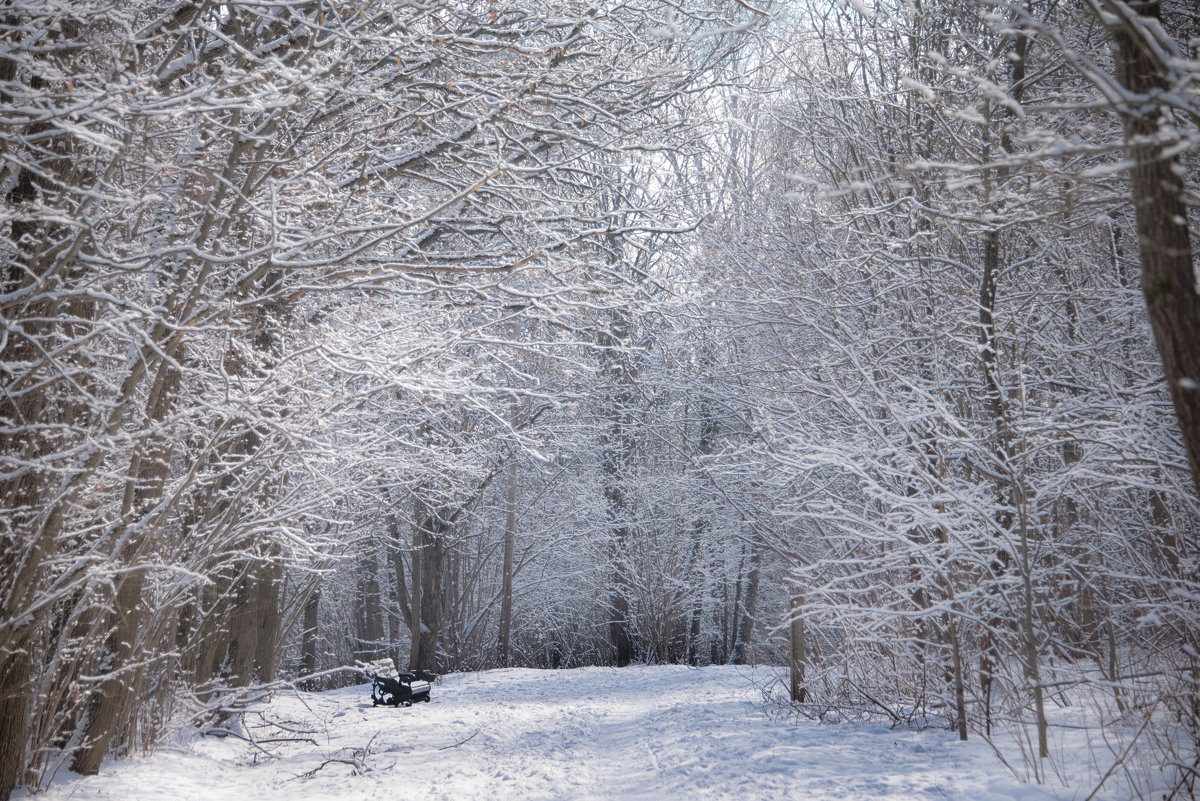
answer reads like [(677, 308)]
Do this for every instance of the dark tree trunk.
[(618, 627), (431, 593), (15, 691), (797, 653), (617, 444), (266, 651), (506, 589), (416, 659), (694, 635), (29, 532), (1168, 273), (310, 637), (370, 611), (745, 629), (110, 704), (708, 435), (112, 699), (426, 586)]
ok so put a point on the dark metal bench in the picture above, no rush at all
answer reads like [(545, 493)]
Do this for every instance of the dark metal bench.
[(404, 690)]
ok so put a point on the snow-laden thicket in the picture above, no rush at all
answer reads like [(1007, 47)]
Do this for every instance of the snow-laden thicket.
[(481, 334), (929, 274)]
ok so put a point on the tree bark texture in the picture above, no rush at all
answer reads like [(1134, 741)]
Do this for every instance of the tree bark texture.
[(617, 445), (1168, 272), (311, 632), (29, 531), (797, 655), (749, 609), (370, 611), (416, 659), (426, 584), (506, 589)]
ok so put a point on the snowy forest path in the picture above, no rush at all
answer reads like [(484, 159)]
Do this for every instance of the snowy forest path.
[(642, 732)]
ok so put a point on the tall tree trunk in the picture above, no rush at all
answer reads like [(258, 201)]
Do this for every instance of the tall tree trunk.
[(267, 602), (960, 696), (693, 655), (111, 700), (797, 653), (370, 610), (244, 629), (708, 436), (416, 659), (309, 639), (396, 549), (15, 691), (745, 631), (616, 447), (429, 532), (432, 557), (1169, 281), (1168, 272), (29, 530), (1006, 481), (510, 534)]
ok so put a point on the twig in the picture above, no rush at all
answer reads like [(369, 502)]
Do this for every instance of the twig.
[(217, 732), (281, 724), (1187, 778), (354, 763), (456, 745), (896, 719), (1124, 754), (357, 760), (999, 755)]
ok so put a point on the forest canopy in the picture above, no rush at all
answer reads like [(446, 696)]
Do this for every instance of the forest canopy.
[(859, 338)]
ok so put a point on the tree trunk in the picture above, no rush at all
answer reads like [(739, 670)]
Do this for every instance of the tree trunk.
[(426, 584), (431, 593), (266, 652), (708, 436), (960, 696), (510, 533), (617, 445), (308, 648), (416, 659), (1029, 645), (243, 631), (618, 627), (370, 611), (797, 656), (1169, 281), (1168, 273), (28, 529), (693, 654), (749, 609), (111, 700), (397, 551), (15, 691)]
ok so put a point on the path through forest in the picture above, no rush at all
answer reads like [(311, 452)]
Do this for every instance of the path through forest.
[(592, 733)]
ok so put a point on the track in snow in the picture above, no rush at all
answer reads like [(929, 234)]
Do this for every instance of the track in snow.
[(592, 733)]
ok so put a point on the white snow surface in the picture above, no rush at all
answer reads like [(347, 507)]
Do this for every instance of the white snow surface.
[(641, 732)]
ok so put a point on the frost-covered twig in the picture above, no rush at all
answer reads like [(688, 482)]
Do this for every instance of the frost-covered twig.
[(461, 742)]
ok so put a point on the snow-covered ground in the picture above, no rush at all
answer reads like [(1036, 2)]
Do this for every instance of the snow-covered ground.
[(591, 733)]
